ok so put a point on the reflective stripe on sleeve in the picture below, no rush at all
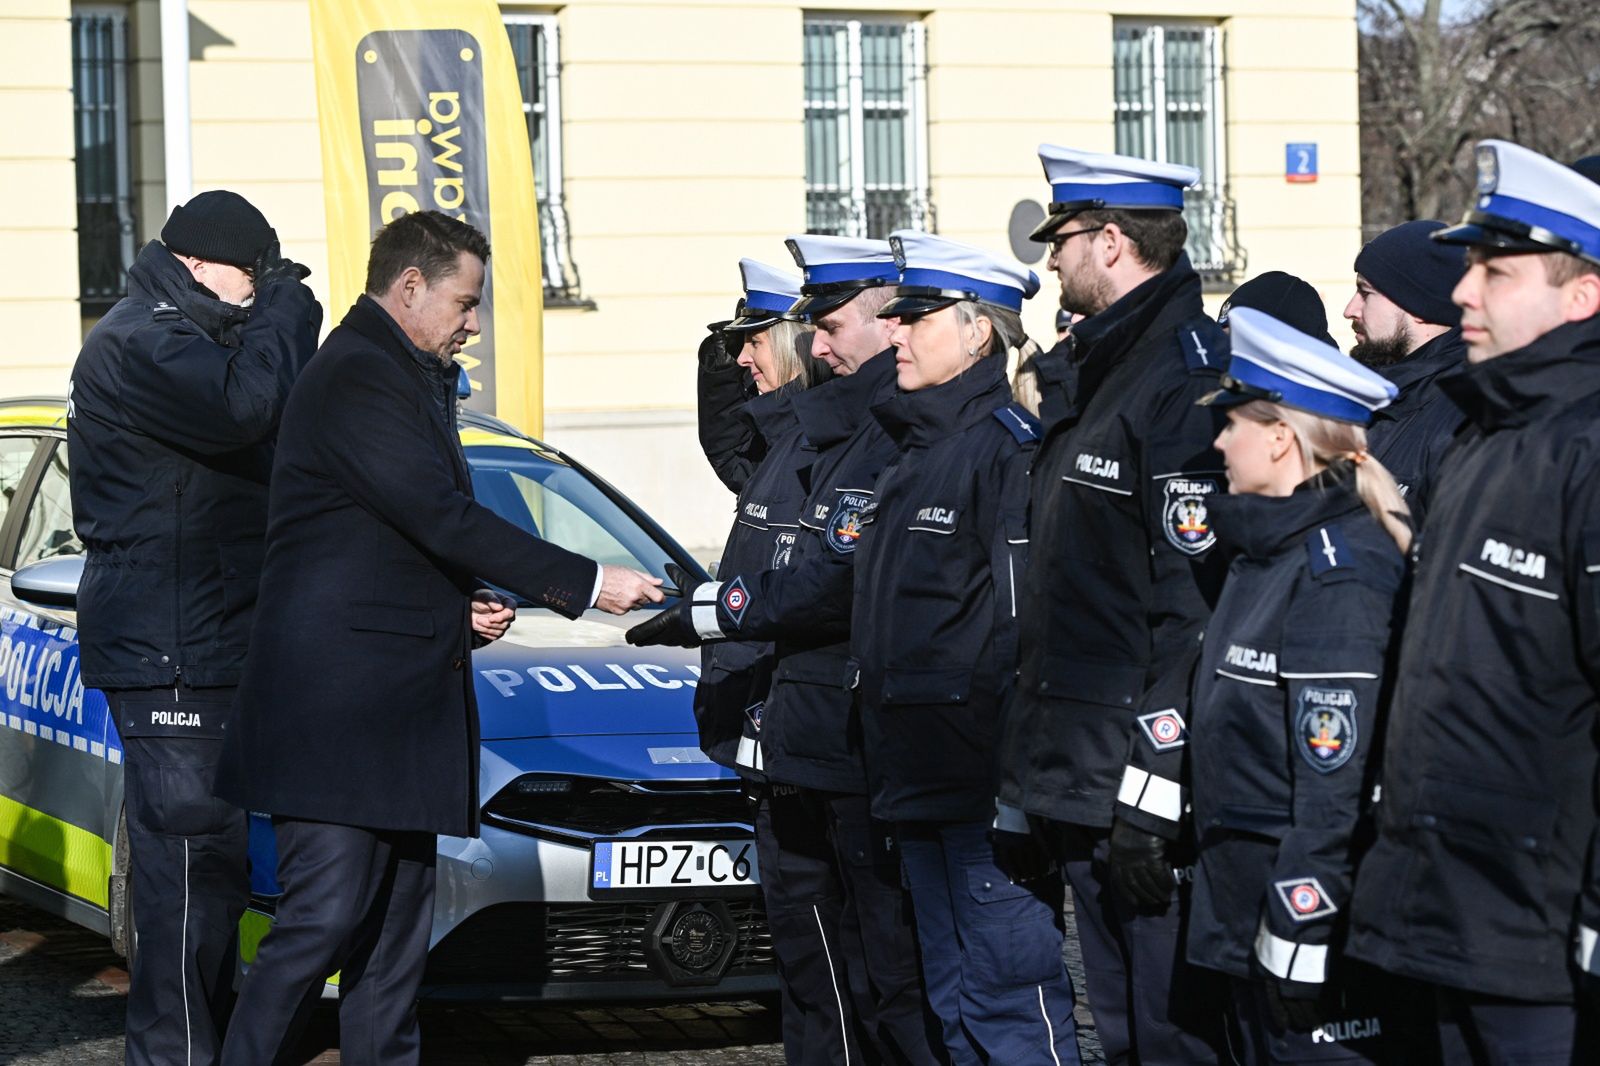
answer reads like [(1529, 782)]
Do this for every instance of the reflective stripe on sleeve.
[(1307, 963), (704, 612), (1588, 959), (749, 753), (1151, 794), (1009, 819)]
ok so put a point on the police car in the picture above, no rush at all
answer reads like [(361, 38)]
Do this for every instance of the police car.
[(615, 860)]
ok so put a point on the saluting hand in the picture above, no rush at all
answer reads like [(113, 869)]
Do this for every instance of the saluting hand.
[(623, 590), (492, 614)]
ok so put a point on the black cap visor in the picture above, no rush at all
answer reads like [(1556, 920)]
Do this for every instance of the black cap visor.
[(1235, 392), (1483, 230), (817, 300), (914, 301), (1059, 215), (754, 320)]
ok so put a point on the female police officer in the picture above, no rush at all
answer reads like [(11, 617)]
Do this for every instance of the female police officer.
[(934, 631), (1287, 696)]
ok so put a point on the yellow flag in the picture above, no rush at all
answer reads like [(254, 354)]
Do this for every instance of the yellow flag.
[(421, 109)]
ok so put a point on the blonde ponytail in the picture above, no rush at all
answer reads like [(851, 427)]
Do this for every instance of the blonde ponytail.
[(1324, 441)]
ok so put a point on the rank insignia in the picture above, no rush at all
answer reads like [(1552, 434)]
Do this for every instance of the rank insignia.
[(1164, 729), (735, 598), (845, 521), (1185, 520), (1304, 898), (1325, 727)]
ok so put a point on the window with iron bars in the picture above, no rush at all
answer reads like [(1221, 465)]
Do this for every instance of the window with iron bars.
[(1169, 108), (536, 44), (866, 114), (101, 131)]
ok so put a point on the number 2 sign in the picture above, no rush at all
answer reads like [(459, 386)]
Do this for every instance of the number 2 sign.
[(1300, 164)]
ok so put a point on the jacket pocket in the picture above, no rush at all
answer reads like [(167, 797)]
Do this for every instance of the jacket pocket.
[(240, 563), (1271, 822), (384, 618), (812, 703), (1102, 683), (925, 686)]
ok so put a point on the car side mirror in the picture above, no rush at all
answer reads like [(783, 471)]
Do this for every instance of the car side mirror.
[(50, 582)]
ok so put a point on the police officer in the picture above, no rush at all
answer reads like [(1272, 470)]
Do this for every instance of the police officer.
[(1291, 300), (797, 881), (1487, 811), (1122, 573), (810, 737), (1408, 330), (174, 404), (934, 629), (1289, 694)]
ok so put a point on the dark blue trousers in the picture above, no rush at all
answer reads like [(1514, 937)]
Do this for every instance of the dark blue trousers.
[(357, 901), (1480, 1030), (1150, 1006), (1376, 1023), (991, 950)]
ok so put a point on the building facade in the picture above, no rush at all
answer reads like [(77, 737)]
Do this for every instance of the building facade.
[(671, 138)]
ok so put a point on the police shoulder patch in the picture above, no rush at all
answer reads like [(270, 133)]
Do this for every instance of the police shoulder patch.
[(1304, 898), (1164, 730), (1328, 551), (1205, 346), (735, 599), (1184, 518), (846, 519), (1325, 727), (1019, 421)]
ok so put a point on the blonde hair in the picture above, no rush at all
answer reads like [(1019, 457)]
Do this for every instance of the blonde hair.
[(1324, 441), (1006, 335), (790, 359)]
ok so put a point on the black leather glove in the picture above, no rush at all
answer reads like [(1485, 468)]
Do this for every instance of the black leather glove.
[(673, 626), (1140, 869), (1295, 1005), (1020, 856), (271, 267)]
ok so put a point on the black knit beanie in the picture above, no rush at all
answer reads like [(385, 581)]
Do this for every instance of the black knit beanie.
[(1415, 271), (1286, 298), (1589, 167), (219, 227)]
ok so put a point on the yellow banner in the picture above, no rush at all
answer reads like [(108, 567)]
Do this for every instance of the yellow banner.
[(421, 109)]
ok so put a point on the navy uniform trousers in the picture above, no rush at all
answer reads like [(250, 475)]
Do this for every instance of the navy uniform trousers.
[(357, 901), (1150, 1006), (190, 873), (843, 932)]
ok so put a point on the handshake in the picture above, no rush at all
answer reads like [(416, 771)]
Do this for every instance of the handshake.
[(621, 590)]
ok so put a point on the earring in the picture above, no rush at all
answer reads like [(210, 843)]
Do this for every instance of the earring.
[(972, 352)]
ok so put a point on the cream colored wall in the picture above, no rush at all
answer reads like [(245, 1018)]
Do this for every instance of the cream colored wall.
[(38, 208), (684, 151)]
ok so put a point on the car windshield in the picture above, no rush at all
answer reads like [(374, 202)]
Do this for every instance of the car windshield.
[(551, 500)]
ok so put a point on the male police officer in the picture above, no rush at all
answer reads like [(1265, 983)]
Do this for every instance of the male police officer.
[(810, 738), (1122, 576), (1487, 810), (175, 401), (1408, 330)]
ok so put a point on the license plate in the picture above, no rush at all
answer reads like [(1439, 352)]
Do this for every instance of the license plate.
[(621, 865)]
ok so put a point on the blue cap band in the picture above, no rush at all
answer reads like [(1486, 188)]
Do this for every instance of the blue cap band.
[(1297, 395), (768, 301), (827, 273), (1573, 229), (1003, 295), (1123, 194)]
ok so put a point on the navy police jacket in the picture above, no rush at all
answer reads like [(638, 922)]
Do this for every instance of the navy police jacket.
[(1123, 575), (810, 730), (1487, 811), (941, 563), (731, 442), (1287, 704), (1410, 436), (735, 674), (172, 410)]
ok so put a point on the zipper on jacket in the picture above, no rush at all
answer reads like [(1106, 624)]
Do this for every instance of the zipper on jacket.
[(177, 585)]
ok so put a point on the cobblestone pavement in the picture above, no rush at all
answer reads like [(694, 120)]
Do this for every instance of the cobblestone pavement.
[(62, 995)]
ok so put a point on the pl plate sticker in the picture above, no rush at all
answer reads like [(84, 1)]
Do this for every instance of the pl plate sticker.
[(1325, 727), (844, 524), (1164, 729), (1304, 898), (1184, 518), (783, 545), (735, 598)]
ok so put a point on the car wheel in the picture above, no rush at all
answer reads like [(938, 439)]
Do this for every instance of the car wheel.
[(119, 901)]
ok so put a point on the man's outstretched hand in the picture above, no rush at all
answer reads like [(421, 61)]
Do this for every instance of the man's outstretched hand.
[(623, 590), (492, 614)]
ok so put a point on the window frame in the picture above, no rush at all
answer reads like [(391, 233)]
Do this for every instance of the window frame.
[(854, 186), (562, 285), (44, 444), (124, 196)]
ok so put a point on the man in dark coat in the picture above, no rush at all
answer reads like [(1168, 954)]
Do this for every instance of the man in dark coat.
[(175, 399), (1408, 330), (357, 727)]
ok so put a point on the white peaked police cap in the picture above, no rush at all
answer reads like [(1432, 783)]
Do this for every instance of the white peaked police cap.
[(1276, 362), (936, 272)]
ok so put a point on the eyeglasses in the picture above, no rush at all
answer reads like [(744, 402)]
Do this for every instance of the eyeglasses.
[(1057, 240)]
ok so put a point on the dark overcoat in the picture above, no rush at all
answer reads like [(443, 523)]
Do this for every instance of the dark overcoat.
[(357, 704)]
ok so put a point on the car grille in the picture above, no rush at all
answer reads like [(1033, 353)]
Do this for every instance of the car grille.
[(538, 942), (591, 807)]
